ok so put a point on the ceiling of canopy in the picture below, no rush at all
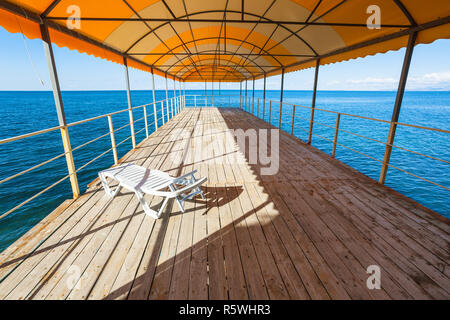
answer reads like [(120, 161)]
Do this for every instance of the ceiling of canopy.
[(228, 40)]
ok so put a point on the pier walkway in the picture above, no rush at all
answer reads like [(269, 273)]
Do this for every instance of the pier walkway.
[(310, 231)]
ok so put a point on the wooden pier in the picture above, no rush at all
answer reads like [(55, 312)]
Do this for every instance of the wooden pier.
[(308, 232)]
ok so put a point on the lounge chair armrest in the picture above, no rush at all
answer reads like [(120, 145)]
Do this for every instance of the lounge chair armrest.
[(184, 176), (191, 186), (175, 193)]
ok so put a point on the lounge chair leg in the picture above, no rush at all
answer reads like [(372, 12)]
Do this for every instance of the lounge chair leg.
[(201, 193), (108, 190), (163, 206), (116, 191), (199, 190), (180, 203), (144, 204)]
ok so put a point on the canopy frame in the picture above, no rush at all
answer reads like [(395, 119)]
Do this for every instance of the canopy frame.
[(255, 19)]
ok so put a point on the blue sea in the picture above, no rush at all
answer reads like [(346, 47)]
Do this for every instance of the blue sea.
[(24, 112)]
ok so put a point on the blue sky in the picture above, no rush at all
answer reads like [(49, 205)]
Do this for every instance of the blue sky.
[(430, 70)]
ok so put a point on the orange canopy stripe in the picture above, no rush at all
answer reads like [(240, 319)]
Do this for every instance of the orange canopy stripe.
[(228, 40)]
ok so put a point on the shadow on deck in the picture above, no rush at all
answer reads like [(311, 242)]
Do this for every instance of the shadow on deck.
[(308, 232)]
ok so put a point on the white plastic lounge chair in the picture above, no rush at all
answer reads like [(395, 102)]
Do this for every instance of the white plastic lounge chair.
[(153, 182)]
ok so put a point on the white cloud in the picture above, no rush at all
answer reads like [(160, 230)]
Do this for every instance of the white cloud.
[(429, 81), (370, 80), (435, 81), (334, 82)]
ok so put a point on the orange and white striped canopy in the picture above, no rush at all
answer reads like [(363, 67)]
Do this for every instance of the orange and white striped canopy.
[(228, 40)]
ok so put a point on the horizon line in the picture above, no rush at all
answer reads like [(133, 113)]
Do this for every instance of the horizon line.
[(209, 90)]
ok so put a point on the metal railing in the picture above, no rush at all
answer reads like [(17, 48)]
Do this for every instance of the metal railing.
[(211, 100), (169, 108), (253, 105), (249, 104), (172, 106)]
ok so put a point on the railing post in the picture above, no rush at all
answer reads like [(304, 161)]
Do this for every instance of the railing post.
[(113, 139), (397, 106), (253, 97), (264, 108), (264, 95), (240, 95), (313, 104), (387, 152), (293, 118), (270, 111), (162, 112), (281, 99), (181, 97), (167, 110), (184, 89), (212, 94), (145, 121), (154, 101), (245, 98), (336, 133), (257, 108), (229, 101), (130, 110), (155, 116), (280, 115), (167, 97), (172, 107), (174, 97), (311, 121), (70, 162), (60, 110)]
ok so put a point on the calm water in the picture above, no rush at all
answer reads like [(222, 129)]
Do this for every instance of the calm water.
[(23, 112)]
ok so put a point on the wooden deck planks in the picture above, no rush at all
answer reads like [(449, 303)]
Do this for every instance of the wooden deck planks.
[(307, 232), (97, 247)]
